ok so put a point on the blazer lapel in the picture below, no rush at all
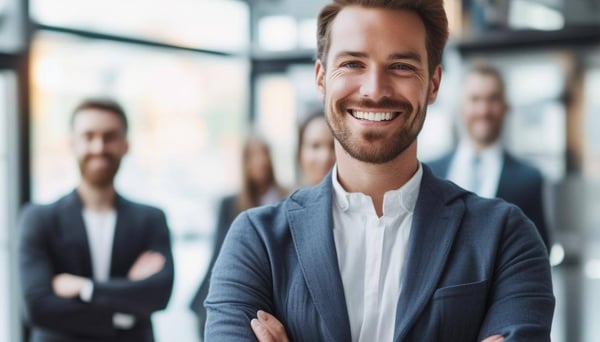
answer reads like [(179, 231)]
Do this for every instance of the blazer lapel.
[(311, 226), (435, 223), (507, 175), (121, 243), (73, 228)]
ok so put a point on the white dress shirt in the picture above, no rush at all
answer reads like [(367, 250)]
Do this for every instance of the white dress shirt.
[(100, 228), (371, 252), (490, 167)]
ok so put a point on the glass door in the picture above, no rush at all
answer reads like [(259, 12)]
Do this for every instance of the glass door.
[(9, 315)]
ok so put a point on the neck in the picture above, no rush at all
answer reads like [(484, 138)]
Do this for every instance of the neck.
[(375, 180), (97, 198), (479, 146)]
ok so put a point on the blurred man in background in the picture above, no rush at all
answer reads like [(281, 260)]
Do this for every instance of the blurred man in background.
[(93, 265), (480, 163)]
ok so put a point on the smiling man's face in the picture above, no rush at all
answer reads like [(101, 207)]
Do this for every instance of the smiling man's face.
[(375, 83), (99, 142)]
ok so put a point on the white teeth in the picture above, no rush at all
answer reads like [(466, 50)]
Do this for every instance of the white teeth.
[(373, 116)]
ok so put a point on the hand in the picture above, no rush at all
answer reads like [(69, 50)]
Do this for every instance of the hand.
[(268, 329), (67, 285), (494, 338), (147, 264)]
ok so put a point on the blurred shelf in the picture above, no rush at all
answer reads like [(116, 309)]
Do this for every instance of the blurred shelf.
[(529, 39)]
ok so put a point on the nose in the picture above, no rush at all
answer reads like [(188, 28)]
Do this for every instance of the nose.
[(486, 108), (97, 145), (376, 84)]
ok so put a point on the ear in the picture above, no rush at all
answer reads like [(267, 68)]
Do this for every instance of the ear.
[(320, 78), (434, 84)]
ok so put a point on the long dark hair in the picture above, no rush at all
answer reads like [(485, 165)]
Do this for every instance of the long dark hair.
[(251, 191)]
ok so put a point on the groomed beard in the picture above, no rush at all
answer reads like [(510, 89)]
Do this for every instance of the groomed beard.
[(371, 152), (99, 178), (487, 139)]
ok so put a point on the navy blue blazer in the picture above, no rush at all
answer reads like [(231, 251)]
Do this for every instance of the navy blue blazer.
[(475, 267), (53, 240), (519, 184)]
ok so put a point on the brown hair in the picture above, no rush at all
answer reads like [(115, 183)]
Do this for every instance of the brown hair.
[(105, 104), (302, 128), (431, 12), (481, 67), (250, 193)]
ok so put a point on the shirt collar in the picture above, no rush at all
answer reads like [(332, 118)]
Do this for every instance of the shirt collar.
[(395, 201), (493, 152)]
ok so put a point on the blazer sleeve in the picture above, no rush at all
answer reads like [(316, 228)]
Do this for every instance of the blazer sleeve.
[(521, 302), (42, 307), (148, 295), (240, 284), (225, 216)]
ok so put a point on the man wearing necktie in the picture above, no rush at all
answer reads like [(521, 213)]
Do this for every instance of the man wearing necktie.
[(480, 163)]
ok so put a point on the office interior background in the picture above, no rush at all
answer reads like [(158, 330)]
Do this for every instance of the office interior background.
[(197, 75)]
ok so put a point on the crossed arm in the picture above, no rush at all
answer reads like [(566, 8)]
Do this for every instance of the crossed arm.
[(267, 328), (68, 285), (51, 298)]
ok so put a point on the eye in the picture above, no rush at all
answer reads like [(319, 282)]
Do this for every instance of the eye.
[(87, 136), (402, 67), (351, 64)]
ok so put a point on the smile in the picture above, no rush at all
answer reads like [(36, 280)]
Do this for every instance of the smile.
[(374, 116)]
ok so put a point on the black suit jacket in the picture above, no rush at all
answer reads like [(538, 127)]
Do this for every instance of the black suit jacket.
[(53, 240), (228, 210), (519, 184)]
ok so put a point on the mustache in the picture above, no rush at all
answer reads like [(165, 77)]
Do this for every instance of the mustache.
[(95, 156), (384, 103)]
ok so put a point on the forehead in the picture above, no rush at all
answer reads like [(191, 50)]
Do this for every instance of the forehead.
[(316, 128), (377, 30), (477, 83), (92, 119)]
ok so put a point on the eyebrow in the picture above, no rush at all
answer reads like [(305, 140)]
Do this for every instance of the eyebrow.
[(406, 55), (394, 56)]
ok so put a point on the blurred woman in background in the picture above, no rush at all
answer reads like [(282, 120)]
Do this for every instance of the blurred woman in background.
[(315, 149), (259, 187)]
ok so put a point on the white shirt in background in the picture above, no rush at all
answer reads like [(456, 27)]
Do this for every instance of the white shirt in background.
[(100, 228), (271, 196), (371, 252), (490, 167)]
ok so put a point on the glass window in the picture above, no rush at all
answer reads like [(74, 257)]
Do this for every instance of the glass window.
[(206, 24), (530, 15), (187, 115), (12, 35), (535, 85), (592, 122), (275, 119), (9, 301), (4, 266), (307, 33), (277, 33)]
